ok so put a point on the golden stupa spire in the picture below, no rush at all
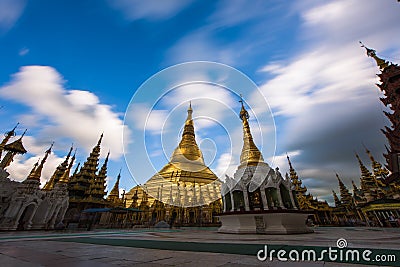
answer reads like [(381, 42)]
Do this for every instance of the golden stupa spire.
[(65, 177), (115, 190), (345, 196), (58, 173), (250, 155), (188, 150), (114, 194), (7, 137), (32, 172), (379, 171), (38, 171), (12, 149), (186, 165), (336, 199), (294, 178), (382, 64)]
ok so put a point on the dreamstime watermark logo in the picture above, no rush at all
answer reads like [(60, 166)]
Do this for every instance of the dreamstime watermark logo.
[(184, 121), (339, 254), (341, 243)]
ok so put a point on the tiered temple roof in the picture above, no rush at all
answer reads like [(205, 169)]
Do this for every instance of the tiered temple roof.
[(83, 183), (390, 84)]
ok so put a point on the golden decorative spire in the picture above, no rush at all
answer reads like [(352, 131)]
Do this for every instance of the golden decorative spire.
[(336, 199), (32, 172), (58, 173), (7, 137), (380, 172), (97, 186), (65, 177), (250, 155), (114, 194), (38, 171), (82, 180), (382, 64), (355, 188), (368, 182), (345, 196), (188, 150), (13, 148), (295, 179)]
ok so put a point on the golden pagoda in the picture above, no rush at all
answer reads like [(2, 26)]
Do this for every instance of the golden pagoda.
[(113, 197), (185, 176), (86, 187), (182, 187), (368, 182), (304, 200), (33, 179), (346, 199)]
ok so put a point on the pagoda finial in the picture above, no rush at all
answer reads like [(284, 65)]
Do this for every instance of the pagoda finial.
[(114, 194), (7, 137), (32, 172), (382, 64), (188, 149), (101, 138), (70, 151), (65, 176), (354, 185), (190, 112), (58, 173), (250, 153), (23, 134), (290, 163), (244, 115), (336, 199), (77, 168), (38, 171)]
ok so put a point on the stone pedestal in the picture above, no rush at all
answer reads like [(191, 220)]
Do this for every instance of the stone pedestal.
[(277, 222)]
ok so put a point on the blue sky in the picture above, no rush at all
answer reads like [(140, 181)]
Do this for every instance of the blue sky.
[(70, 68)]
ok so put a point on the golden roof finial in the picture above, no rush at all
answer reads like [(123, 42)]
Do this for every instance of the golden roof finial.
[(101, 138), (250, 155), (7, 137), (382, 64), (38, 171), (244, 115), (32, 172), (188, 147), (114, 194), (190, 112), (65, 177)]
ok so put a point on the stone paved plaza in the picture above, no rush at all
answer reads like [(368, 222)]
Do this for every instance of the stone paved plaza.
[(179, 247)]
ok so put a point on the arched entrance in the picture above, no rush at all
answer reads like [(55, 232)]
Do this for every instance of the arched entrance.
[(287, 202), (25, 219)]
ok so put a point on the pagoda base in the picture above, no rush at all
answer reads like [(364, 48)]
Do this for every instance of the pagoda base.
[(266, 222)]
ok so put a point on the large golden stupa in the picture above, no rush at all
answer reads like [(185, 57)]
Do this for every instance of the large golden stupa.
[(185, 180)]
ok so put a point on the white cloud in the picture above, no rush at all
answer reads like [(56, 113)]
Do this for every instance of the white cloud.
[(73, 114), (326, 95), (225, 165), (145, 118), (210, 102), (150, 9), (24, 51), (199, 45), (10, 11)]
